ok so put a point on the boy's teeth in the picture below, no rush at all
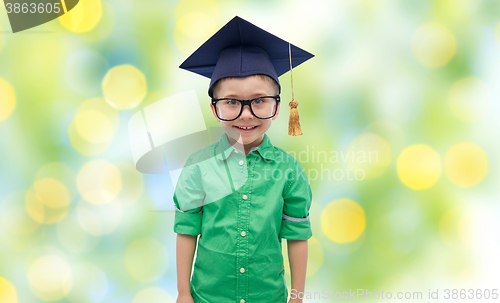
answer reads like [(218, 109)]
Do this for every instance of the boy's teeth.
[(246, 127)]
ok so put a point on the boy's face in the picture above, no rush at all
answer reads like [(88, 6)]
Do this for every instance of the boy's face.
[(246, 88)]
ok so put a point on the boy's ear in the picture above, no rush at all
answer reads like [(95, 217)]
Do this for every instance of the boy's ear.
[(213, 111), (277, 111)]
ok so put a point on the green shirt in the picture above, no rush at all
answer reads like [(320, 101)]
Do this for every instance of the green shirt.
[(242, 206)]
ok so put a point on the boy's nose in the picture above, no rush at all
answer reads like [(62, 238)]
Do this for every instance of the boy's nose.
[(247, 113)]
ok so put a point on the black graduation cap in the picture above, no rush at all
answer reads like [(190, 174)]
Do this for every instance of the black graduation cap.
[(241, 49)]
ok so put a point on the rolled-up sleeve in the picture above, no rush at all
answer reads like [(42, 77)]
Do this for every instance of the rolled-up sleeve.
[(297, 196), (188, 199)]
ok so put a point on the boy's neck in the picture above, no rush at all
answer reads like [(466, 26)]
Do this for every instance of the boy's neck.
[(246, 148)]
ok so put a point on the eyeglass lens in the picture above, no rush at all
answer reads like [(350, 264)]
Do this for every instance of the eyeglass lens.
[(263, 108)]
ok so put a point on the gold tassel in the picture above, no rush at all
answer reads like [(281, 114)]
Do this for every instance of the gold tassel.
[(293, 122)]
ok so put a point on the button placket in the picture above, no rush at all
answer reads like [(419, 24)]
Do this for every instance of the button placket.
[(242, 242)]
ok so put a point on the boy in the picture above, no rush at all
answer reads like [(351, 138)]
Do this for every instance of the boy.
[(242, 195)]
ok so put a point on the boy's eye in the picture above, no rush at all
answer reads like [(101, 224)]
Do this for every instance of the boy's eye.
[(258, 101), (231, 102)]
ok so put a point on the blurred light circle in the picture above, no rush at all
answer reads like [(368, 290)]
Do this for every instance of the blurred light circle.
[(343, 220), (73, 236), (50, 278), (52, 193), (7, 99), (370, 154), (14, 216), (153, 295), (100, 105), (124, 87), (83, 17), (8, 292), (470, 99), (94, 127), (315, 257), (195, 22), (466, 164), (419, 166), (191, 28), (91, 67), (455, 228), (132, 184), (60, 172), (457, 11), (99, 182), (83, 146), (41, 212), (100, 219), (146, 260), (90, 284), (433, 45), (104, 27)]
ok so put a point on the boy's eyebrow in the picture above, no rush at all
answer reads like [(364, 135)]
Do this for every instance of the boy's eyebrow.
[(254, 95)]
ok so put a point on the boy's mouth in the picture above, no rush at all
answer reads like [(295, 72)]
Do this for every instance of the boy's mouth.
[(245, 129)]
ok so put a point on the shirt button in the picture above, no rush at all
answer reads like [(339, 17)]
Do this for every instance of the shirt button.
[(245, 197), (241, 162), (242, 270), (242, 301), (243, 233)]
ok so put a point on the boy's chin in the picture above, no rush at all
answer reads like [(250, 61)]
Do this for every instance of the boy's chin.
[(243, 139)]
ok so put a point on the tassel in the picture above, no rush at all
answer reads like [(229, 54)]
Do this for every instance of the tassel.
[(293, 122)]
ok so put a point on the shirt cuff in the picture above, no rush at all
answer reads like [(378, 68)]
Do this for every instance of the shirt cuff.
[(187, 223), (295, 228)]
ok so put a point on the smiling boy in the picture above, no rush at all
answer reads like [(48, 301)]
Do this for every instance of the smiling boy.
[(247, 87), (242, 195)]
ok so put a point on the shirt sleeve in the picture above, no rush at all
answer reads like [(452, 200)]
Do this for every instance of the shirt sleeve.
[(188, 196), (297, 196)]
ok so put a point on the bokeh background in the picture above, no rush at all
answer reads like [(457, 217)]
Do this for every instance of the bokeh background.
[(414, 84)]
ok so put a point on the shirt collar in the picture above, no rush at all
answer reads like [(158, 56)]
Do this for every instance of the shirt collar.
[(224, 149), (253, 148)]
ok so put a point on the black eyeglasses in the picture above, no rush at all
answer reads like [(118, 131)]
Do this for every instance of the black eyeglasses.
[(229, 109)]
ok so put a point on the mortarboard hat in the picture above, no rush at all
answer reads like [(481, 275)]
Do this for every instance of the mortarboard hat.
[(241, 49)]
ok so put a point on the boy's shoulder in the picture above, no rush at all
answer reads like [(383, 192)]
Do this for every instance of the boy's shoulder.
[(285, 159), (286, 156), (202, 154)]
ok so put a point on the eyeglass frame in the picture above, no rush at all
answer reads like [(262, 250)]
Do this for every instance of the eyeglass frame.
[(246, 102)]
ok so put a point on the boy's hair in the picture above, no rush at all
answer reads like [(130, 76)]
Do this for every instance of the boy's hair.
[(260, 76)]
